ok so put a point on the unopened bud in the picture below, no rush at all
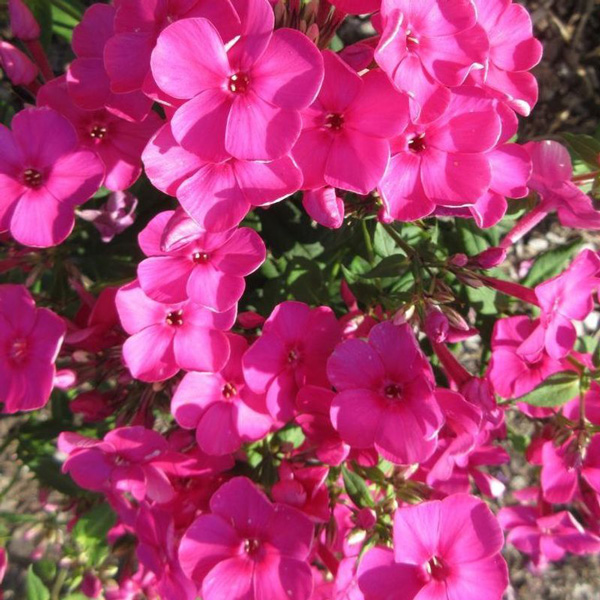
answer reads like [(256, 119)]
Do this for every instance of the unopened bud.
[(22, 22)]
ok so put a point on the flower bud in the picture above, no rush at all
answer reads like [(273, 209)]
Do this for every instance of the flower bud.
[(17, 65), (22, 22), (436, 325), (489, 258)]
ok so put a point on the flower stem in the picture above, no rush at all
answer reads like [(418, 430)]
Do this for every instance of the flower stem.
[(524, 226)]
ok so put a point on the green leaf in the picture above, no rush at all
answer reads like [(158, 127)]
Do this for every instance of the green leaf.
[(383, 243), (356, 488), (551, 263), (474, 240), (36, 590), (555, 391), (42, 11), (585, 147), (90, 532), (390, 266)]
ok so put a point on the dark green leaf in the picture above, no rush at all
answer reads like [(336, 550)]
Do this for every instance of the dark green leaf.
[(390, 266), (42, 11), (90, 532), (585, 147), (356, 488), (36, 590), (551, 263), (555, 391)]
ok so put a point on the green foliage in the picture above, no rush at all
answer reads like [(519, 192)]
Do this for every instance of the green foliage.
[(36, 590), (551, 263), (557, 390), (356, 488), (585, 147), (90, 533)]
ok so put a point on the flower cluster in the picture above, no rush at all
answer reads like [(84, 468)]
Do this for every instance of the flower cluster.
[(256, 444)]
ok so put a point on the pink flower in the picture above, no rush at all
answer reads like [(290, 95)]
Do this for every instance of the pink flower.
[(511, 373), (551, 179), (345, 132), (17, 66), (324, 206), (563, 299), (207, 268), (168, 337), (30, 339), (43, 176), (384, 402), (546, 537), (137, 27), (22, 22), (513, 52), (221, 408), (118, 142), (87, 80), (442, 549), (429, 46), (122, 462), (359, 7), (217, 196), (240, 101), (290, 353), (445, 162), (114, 216), (248, 548)]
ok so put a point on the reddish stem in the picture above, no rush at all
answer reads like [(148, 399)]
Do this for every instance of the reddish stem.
[(524, 226), (39, 56), (512, 289), (454, 370)]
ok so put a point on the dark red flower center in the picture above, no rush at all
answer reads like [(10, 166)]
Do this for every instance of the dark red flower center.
[(334, 121), (392, 391), (98, 132), (175, 318), (412, 42), (229, 391), (438, 569), (417, 144), (239, 83), (293, 356), (18, 350), (252, 547), (200, 257), (32, 178)]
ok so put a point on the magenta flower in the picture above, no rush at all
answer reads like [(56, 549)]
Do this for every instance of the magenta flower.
[(445, 162), (563, 299), (357, 7), (168, 337), (115, 215), (137, 27), (510, 372), (43, 176), (18, 66), (221, 408), (346, 131), (513, 53), (87, 80), (217, 196), (240, 101), (207, 268), (291, 353), (122, 462), (22, 22), (248, 548), (30, 339), (118, 142), (429, 46), (442, 549), (551, 179), (324, 206), (384, 402)]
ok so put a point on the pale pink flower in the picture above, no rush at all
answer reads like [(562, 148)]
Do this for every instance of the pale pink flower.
[(445, 162), (427, 47), (221, 408), (442, 549), (240, 102), (43, 177), (217, 196), (248, 548), (384, 402), (119, 143), (513, 53), (18, 66), (346, 131), (30, 339), (168, 337), (87, 80), (207, 268), (291, 353)]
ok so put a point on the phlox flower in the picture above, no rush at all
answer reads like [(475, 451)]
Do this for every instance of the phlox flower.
[(221, 408), (443, 550), (324, 206), (30, 339), (115, 215), (445, 162), (217, 196), (240, 101), (513, 53), (119, 143), (207, 268), (17, 65), (124, 461), (346, 131), (248, 548), (44, 175), (168, 337), (385, 395), (290, 353), (429, 46), (87, 80)]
